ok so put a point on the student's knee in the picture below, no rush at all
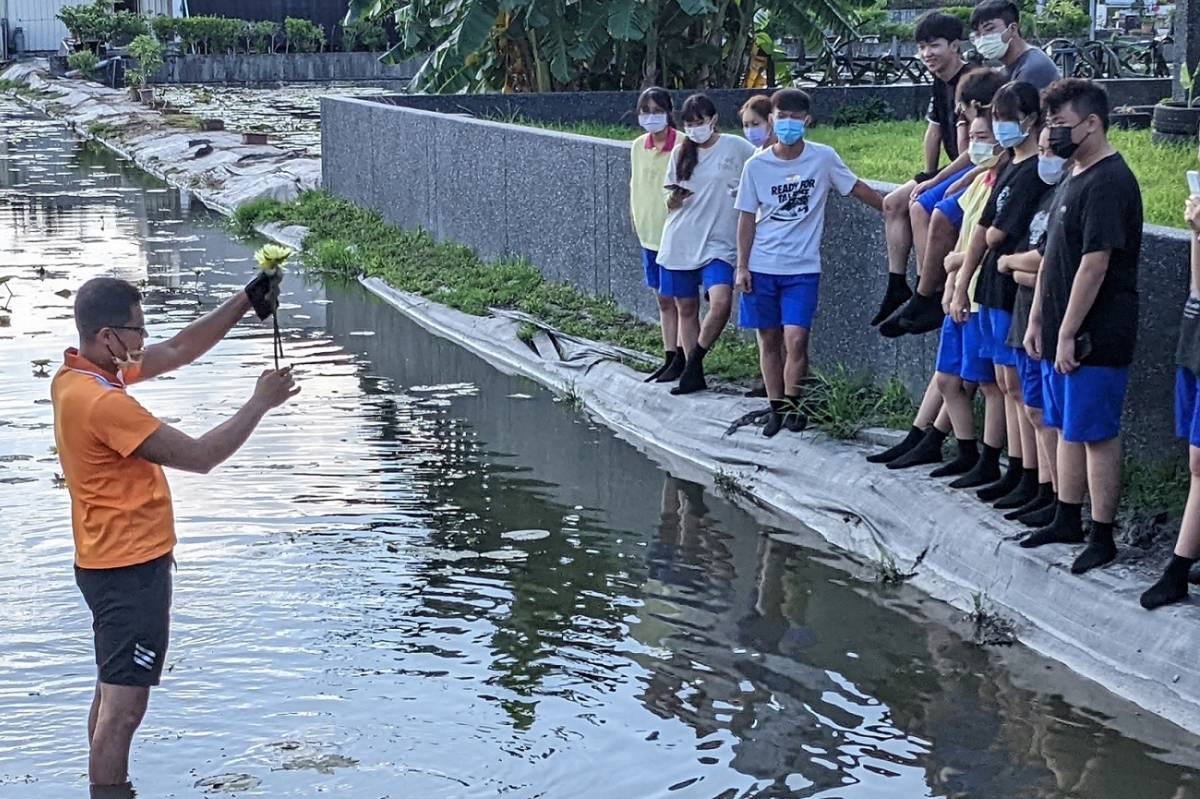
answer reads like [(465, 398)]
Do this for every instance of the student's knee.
[(895, 204), (687, 306), (796, 340), (1034, 415), (947, 384), (1194, 461), (991, 391), (666, 304), (942, 227), (770, 339), (720, 302)]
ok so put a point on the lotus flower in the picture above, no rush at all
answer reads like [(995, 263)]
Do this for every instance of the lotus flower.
[(271, 256)]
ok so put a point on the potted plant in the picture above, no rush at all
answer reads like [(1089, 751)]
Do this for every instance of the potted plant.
[(149, 54), (1178, 120)]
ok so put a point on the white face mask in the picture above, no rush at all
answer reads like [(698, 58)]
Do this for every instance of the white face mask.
[(653, 123), (1051, 168), (699, 133), (983, 154), (991, 45)]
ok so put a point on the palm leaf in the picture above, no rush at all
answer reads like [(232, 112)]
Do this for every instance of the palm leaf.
[(627, 20), (362, 9)]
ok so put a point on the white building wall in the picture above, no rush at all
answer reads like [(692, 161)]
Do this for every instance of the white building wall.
[(42, 29)]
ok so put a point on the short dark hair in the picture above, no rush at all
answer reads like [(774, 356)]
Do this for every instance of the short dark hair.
[(102, 302), (1084, 96), (979, 86), (795, 101), (1017, 100), (995, 9), (938, 25)]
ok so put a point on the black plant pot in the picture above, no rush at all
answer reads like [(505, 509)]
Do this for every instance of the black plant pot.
[(1175, 122), (1131, 120)]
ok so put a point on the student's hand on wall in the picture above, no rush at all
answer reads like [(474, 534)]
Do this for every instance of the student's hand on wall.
[(1192, 213), (742, 282)]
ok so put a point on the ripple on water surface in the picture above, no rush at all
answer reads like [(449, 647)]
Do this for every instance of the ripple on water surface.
[(425, 578)]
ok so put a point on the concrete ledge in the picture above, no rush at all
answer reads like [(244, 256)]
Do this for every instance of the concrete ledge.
[(958, 549), (284, 68), (562, 200)]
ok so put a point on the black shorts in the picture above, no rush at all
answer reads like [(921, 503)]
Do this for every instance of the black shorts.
[(131, 617)]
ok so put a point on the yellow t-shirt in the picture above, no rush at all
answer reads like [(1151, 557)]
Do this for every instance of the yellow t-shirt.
[(972, 203), (120, 504), (647, 175)]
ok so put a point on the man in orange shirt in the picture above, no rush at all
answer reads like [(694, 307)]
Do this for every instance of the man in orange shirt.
[(112, 452)]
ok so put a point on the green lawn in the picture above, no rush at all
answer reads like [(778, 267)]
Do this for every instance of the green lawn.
[(890, 151)]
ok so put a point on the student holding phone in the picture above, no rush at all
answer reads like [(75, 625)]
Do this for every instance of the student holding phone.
[(1084, 320)]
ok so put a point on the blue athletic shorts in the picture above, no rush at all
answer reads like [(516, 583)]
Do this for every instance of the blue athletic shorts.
[(1086, 404), (651, 267), (994, 324), (685, 283), (1187, 402), (779, 300), (958, 352), (936, 198), (1030, 372)]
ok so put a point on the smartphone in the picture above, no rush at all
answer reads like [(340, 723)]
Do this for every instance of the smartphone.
[(1083, 346), (1193, 178)]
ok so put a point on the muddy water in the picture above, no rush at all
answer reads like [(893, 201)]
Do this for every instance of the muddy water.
[(425, 578)]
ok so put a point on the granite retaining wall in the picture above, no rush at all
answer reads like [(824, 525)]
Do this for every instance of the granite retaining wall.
[(284, 68), (906, 101), (562, 201)]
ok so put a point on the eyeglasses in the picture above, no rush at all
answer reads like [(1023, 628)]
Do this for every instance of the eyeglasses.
[(141, 331)]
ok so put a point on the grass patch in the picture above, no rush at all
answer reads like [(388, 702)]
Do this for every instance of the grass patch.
[(891, 152), (1150, 490), (185, 121), (21, 89), (841, 404)]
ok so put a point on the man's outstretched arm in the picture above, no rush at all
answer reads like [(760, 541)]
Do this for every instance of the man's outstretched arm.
[(176, 449)]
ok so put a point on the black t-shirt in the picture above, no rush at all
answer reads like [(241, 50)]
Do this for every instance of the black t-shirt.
[(942, 110), (1014, 200), (1034, 239), (1096, 211), (1187, 352)]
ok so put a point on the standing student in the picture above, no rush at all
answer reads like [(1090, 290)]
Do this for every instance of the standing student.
[(699, 240), (1084, 319), (997, 28), (782, 200), (1172, 586), (649, 158), (1016, 120), (1039, 442), (756, 121), (961, 366), (939, 44)]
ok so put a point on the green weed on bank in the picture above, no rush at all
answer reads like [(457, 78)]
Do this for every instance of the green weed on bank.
[(346, 240)]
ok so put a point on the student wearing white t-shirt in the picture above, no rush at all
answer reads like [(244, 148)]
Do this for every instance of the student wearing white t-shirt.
[(699, 240), (782, 200)]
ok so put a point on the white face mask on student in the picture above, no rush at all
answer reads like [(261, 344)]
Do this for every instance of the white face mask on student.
[(983, 154), (1051, 168), (653, 123), (699, 133), (991, 46)]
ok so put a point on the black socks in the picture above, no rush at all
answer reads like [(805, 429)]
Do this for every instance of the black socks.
[(794, 419), (1099, 551), (774, 421), (668, 358), (928, 450), (986, 470), (1172, 586), (1041, 517), (1024, 491), (1000, 488), (1065, 528), (915, 434), (896, 295), (1042, 498), (964, 461), (674, 369), (692, 378)]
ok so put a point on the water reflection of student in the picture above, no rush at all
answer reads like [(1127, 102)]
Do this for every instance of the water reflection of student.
[(778, 606), (678, 532)]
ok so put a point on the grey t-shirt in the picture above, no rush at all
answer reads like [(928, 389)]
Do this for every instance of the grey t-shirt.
[(1035, 67)]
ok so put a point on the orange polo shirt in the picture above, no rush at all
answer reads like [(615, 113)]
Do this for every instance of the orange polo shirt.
[(120, 505)]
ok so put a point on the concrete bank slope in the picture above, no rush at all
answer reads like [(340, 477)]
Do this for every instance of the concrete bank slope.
[(216, 167), (957, 549)]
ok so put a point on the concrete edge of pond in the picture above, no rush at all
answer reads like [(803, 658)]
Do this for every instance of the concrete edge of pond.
[(956, 549)]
